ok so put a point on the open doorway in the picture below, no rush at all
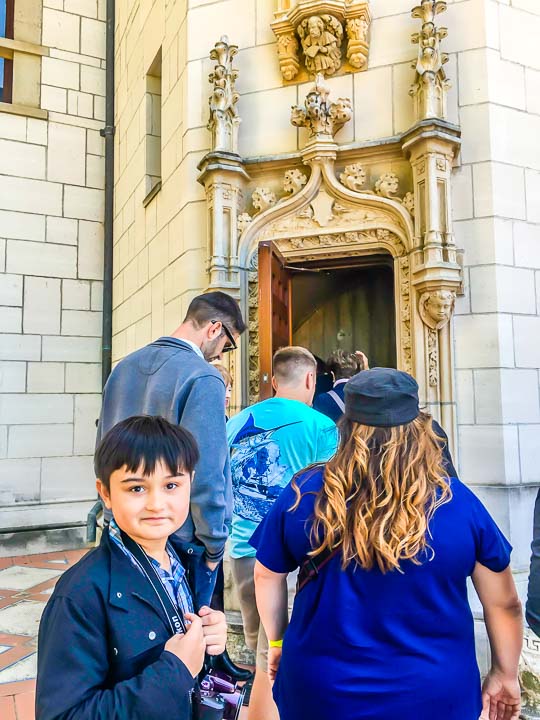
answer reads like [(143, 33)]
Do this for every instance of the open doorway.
[(323, 305), (346, 307)]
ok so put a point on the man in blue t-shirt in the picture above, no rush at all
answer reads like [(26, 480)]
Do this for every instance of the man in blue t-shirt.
[(270, 442)]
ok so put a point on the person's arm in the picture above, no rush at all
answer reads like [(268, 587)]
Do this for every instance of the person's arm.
[(204, 417), (271, 594), (73, 667), (504, 624)]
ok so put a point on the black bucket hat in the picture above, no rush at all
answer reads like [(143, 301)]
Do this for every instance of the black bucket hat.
[(382, 397)]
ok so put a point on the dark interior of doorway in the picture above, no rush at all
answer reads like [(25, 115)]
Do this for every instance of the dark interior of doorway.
[(349, 306)]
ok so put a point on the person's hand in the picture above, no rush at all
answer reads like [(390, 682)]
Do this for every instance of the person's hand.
[(214, 626), (211, 565), (189, 648), (274, 658), (362, 360), (501, 697)]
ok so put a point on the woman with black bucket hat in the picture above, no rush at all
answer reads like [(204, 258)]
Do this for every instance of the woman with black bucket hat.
[(381, 626)]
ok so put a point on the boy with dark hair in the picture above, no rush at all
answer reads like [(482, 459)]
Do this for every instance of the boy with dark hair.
[(107, 647)]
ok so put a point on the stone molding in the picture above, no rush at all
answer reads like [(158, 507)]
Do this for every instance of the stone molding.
[(322, 36)]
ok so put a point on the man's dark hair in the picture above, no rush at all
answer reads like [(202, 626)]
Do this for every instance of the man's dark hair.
[(142, 442), (216, 306)]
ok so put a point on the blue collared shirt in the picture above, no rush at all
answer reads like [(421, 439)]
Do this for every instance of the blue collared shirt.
[(174, 581)]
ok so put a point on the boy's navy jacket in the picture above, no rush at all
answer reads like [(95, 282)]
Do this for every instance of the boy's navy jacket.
[(168, 378), (100, 646)]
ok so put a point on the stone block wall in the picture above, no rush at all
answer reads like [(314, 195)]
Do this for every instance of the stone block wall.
[(51, 249)]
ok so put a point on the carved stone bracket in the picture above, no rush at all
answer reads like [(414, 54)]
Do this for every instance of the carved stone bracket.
[(436, 308), (322, 36)]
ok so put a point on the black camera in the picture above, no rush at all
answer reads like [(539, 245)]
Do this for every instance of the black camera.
[(217, 697)]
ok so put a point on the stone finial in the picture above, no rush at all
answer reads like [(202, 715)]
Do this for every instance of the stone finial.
[(224, 120), (358, 46), (436, 308), (431, 84), (322, 118)]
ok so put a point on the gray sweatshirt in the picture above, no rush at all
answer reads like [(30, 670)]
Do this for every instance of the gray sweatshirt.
[(170, 379)]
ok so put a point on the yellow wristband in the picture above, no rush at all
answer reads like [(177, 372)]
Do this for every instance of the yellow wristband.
[(276, 643)]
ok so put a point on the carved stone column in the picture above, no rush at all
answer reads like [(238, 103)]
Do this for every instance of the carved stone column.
[(222, 173)]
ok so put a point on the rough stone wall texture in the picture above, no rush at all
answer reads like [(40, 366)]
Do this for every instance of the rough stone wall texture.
[(51, 248)]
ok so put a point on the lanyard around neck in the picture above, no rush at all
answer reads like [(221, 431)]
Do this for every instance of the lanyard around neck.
[(171, 610)]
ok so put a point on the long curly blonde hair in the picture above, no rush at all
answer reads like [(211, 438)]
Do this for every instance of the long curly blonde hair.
[(380, 492)]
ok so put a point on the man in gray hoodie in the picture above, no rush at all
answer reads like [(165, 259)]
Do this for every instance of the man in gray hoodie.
[(172, 378)]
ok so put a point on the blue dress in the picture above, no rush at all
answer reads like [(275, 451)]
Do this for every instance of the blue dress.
[(363, 645)]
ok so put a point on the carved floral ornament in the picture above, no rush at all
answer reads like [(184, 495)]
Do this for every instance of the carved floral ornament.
[(224, 119), (354, 178), (322, 118), (322, 36)]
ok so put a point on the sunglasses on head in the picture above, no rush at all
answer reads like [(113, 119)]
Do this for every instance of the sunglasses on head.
[(230, 338)]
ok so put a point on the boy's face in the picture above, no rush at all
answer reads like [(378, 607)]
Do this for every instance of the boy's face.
[(148, 508)]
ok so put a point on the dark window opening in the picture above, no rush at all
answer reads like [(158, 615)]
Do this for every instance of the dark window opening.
[(6, 65)]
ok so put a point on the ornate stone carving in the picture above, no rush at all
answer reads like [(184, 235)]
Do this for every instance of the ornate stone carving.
[(436, 308), (288, 46), (431, 84), (293, 181), (405, 292), (224, 120), (310, 37), (358, 45), (433, 357), (242, 222), (355, 237), (353, 177), (263, 198), (253, 328), (321, 37), (408, 202), (322, 118), (387, 186)]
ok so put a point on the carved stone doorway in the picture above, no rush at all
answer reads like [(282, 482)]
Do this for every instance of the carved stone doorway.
[(346, 305)]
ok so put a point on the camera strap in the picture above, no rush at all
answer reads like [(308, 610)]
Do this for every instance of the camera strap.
[(170, 608)]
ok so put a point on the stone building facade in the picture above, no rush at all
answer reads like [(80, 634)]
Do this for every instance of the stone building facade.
[(51, 268), (184, 219)]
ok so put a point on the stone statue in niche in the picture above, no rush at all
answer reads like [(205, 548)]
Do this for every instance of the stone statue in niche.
[(436, 308), (353, 177), (293, 181), (262, 199), (321, 117), (224, 119), (387, 186), (321, 37)]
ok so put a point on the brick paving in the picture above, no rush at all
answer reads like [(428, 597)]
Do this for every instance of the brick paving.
[(26, 582)]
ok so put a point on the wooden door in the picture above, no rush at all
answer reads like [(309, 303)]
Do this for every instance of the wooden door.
[(274, 311)]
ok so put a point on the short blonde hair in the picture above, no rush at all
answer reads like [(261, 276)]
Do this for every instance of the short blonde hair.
[(291, 363), (225, 374)]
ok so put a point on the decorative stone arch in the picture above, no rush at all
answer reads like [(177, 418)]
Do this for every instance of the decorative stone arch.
[(327, 220)]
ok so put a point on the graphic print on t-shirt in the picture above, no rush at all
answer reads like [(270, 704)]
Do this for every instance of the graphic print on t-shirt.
[(257, 470)]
